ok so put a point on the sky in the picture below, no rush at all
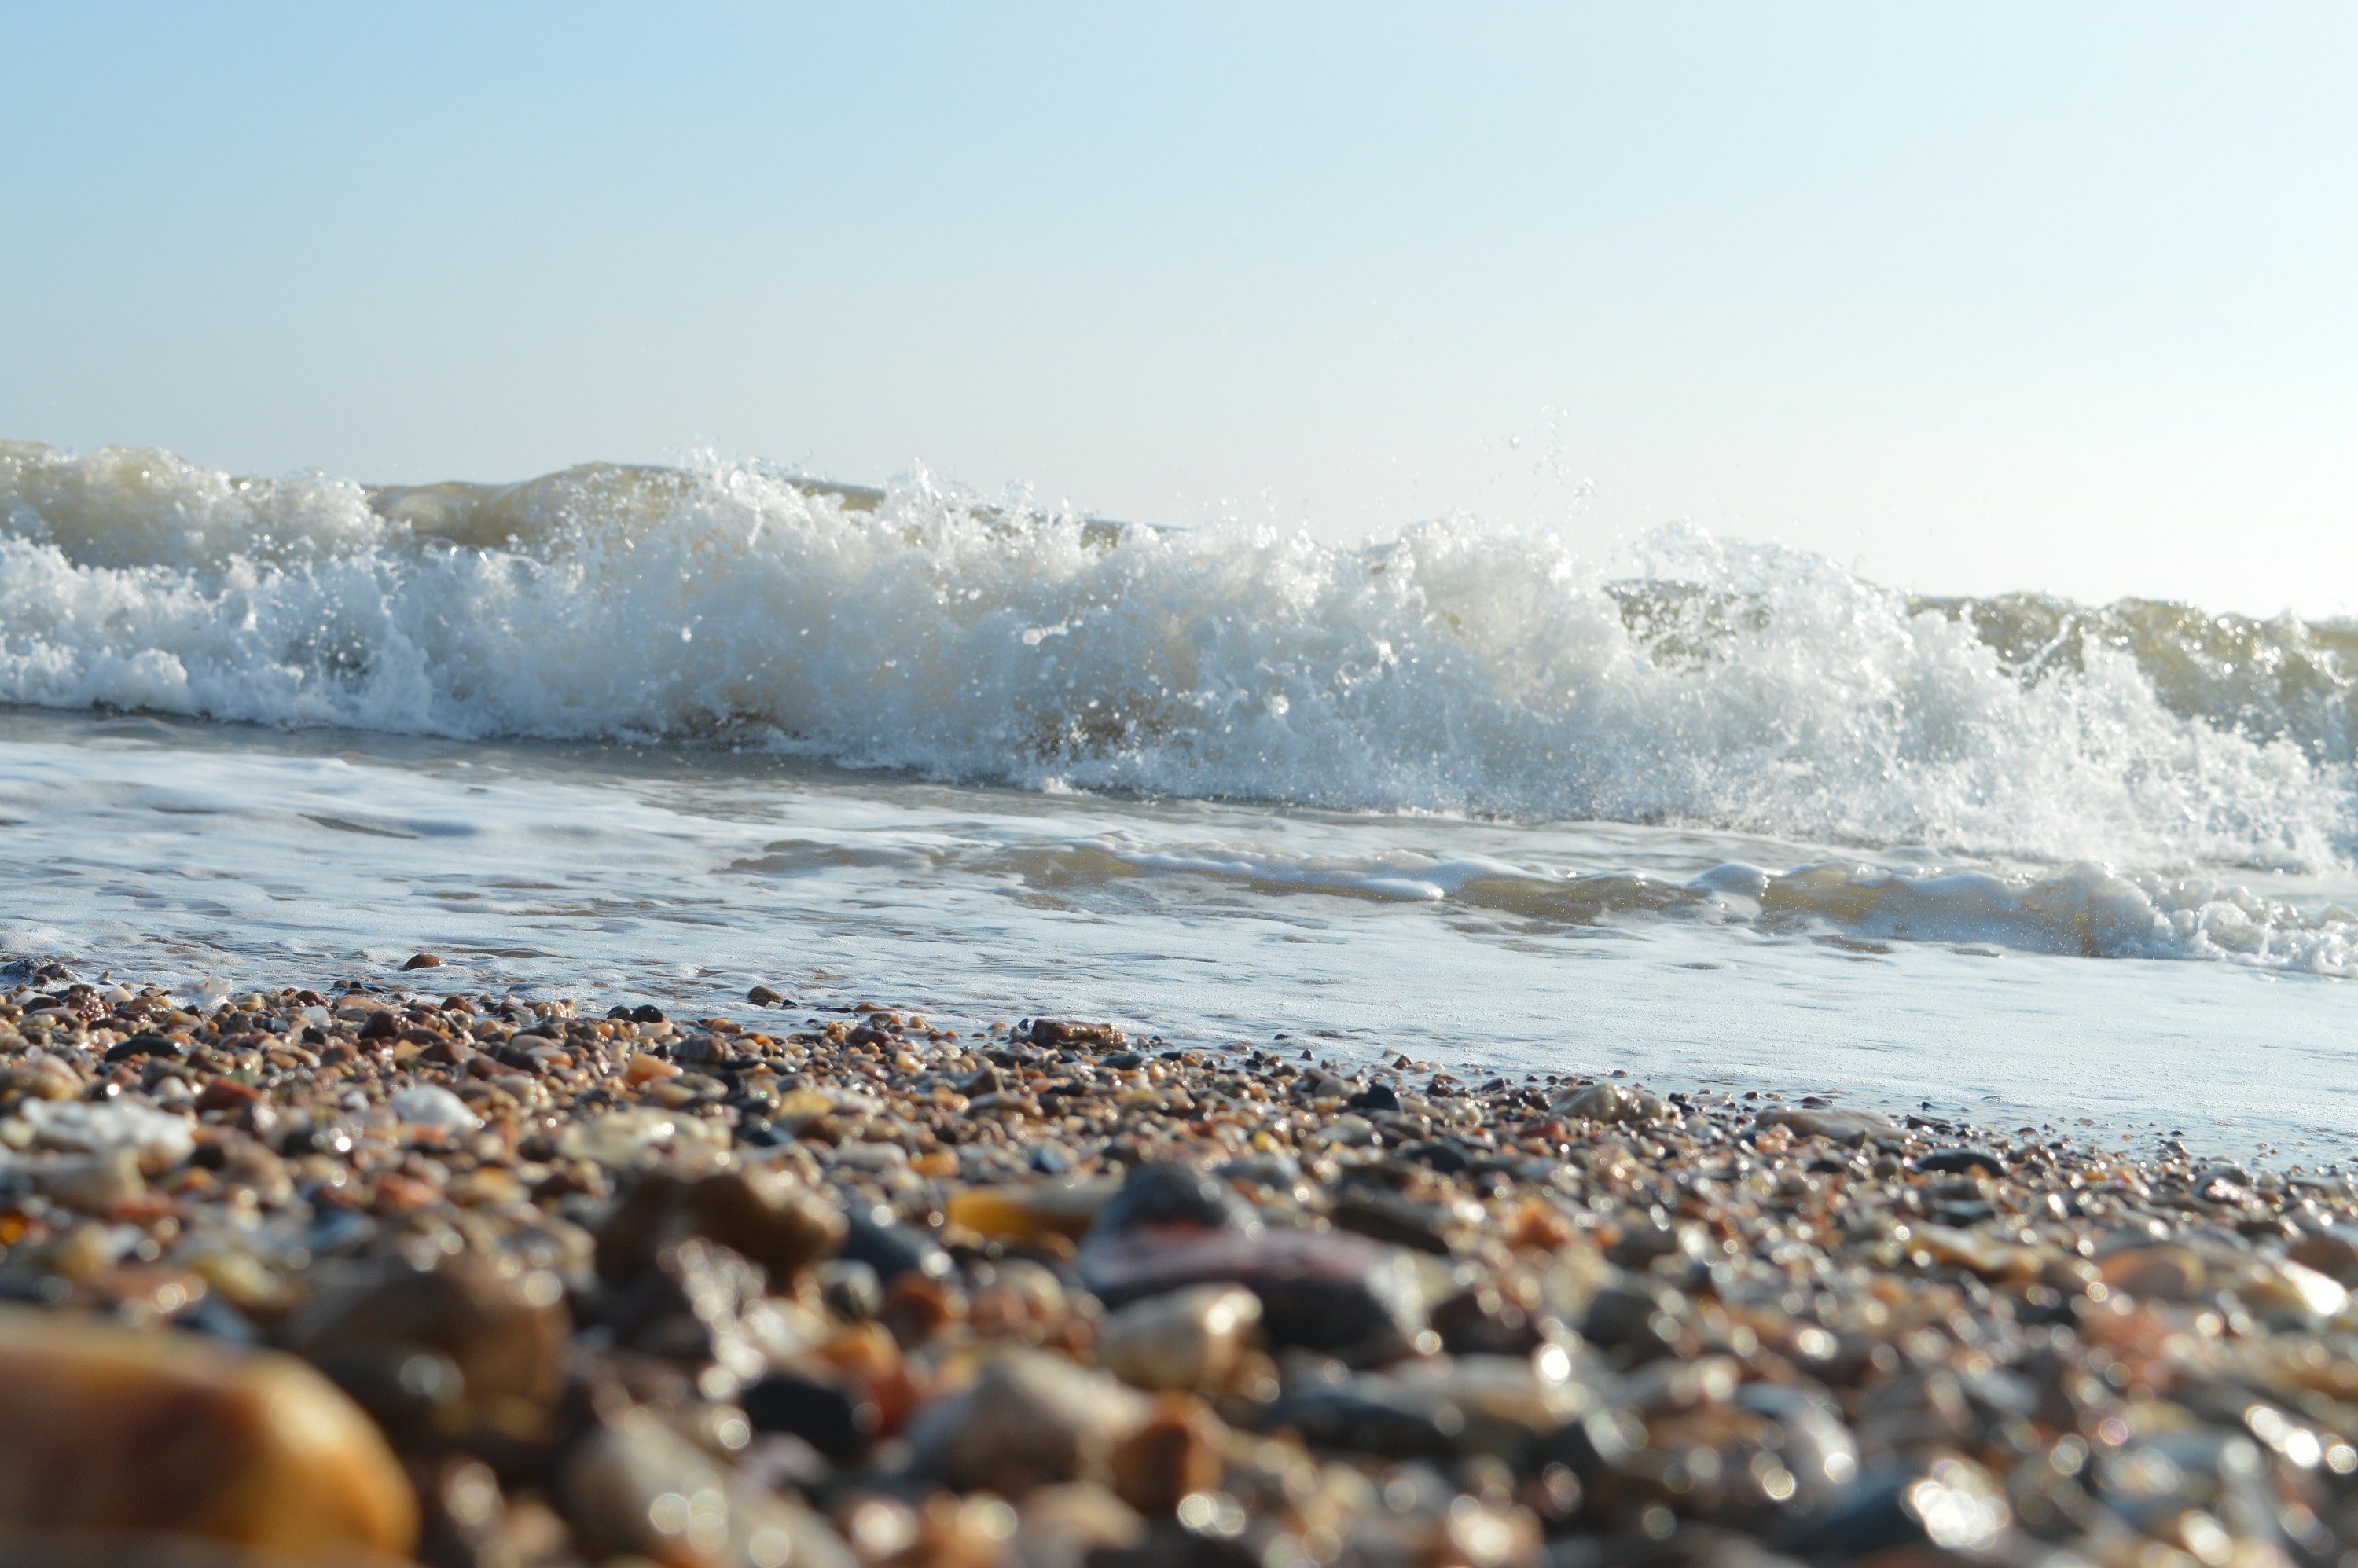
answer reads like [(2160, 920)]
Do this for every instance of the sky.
[(1975, 298)]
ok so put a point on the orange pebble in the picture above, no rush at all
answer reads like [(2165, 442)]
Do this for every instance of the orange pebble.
[(646, 1069)]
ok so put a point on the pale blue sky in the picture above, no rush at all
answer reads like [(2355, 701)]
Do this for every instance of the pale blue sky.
[(1987, 297)]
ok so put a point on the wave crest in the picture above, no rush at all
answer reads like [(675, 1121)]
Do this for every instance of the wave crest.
[(1453, 668)]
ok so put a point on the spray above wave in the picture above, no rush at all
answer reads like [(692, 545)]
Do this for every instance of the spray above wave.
[(1453, 668)]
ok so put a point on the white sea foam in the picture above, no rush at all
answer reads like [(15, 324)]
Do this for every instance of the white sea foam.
[(2083, 909), (1453, 669)]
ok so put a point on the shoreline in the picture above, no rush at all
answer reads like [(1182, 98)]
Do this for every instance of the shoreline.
[(1049, 1295)]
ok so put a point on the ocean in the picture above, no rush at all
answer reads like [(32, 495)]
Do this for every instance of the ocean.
[(1705, 812)]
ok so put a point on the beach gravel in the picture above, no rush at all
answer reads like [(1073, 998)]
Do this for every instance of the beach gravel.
[(371, 1274)]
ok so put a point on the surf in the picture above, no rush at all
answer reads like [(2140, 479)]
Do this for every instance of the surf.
[(1449, 668)]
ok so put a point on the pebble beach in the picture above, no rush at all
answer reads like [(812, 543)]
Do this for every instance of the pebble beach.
[(1192, 787), (365, 1271)]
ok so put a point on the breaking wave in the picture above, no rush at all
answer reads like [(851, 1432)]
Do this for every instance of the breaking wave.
[(1450, 668)]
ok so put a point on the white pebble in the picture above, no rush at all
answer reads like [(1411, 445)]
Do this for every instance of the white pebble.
[(429, 1105), (158, 1140)]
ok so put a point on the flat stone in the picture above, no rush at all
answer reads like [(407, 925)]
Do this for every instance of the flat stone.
[(870, 1157), (1851, 1126), (143, 1045), (1326, 1290), (1959, 1161), (1053, 1032), (1440, 1408)]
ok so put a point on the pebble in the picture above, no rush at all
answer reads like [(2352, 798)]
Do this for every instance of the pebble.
[(1437, 1228), (1029, 1211), (92, 1183), (1840, 1127), (155, 1140), (1340, 1294), (891, 1249), (104, 1428), (1611, 1102), (638, 1137), (430, 1104), (1158, 1197), (500, 1333), (836, 1419), (632, 1486), (1959, 1161), (768, 1216), (147, 1046), (1066, 1526), (1184, 1339), (1029, 1419), (2156, 1273), (1176, 1452)]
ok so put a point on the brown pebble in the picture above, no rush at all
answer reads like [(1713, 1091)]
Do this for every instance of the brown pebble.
[(440, 1052), (227, 1094), (2162, 1272), (423, 961), (105, 1428), (1073, 1032), (505, 1333), (2332, 1256), (1176, 1452), (917, 1308), (768, 1216)]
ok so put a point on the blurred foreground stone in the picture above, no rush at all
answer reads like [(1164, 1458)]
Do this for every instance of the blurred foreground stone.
[(105, 1429)]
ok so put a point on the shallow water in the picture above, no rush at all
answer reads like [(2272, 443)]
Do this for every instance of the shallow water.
[(1715, 811), (227, 853)]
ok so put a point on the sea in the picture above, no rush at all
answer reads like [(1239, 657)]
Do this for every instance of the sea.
[(1711, 814)]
